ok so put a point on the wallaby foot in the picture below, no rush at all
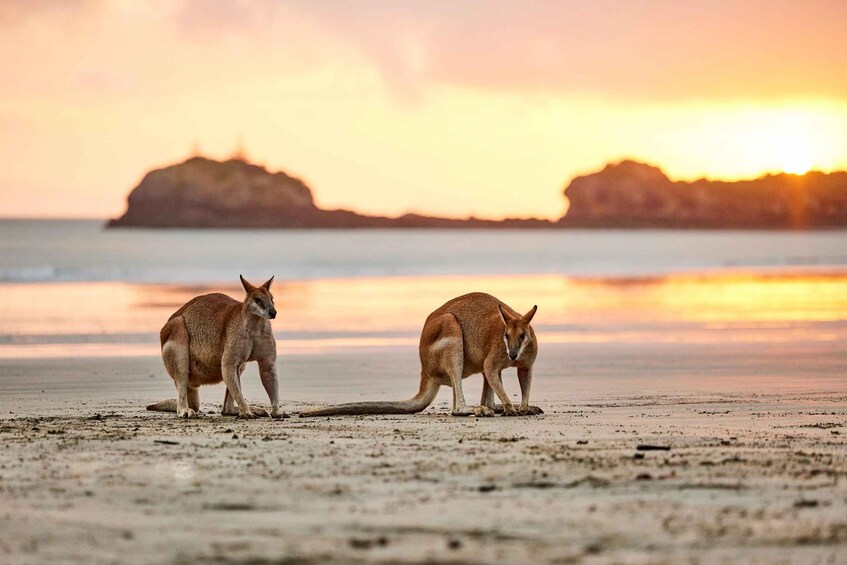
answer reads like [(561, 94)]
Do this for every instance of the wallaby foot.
[(277, 413), (254, 411), (187, 413), (478, 411), (510, 411)]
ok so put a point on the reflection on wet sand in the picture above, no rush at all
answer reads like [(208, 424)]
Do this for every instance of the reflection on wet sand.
[(97, 319)]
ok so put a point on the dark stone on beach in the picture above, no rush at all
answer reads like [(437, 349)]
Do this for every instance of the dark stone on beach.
[(166, 441), (535, 484), (367, 543), (230, 506), (487, 488), (648, 447)]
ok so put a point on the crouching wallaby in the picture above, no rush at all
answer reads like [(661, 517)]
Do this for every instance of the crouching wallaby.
[(211, 339), (474, 333)]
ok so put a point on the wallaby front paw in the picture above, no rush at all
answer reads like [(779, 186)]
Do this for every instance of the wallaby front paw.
[(530, 411), (246, 415), (277, 413), (510, 411), (187, 413), (483, 411)]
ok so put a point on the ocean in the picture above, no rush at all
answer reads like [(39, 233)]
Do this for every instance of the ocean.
[(65, 251), (637, 309)]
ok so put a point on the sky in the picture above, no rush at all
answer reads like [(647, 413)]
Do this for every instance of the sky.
[(442, 107)]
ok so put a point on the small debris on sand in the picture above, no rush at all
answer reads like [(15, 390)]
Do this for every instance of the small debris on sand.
[(648, 447)]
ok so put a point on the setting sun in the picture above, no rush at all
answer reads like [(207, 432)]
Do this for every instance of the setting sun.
[(796, 164), (798, 143)]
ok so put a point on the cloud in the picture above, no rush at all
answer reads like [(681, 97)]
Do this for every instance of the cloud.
[(16, 12), (648, 50), (651, 49)]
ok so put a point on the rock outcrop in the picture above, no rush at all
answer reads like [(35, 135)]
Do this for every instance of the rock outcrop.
[(203, 193), (634, 195)]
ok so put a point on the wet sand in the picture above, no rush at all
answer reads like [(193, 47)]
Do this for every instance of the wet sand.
[(740, 474)]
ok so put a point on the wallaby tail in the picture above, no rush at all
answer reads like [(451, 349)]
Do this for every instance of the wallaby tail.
[(168, 405), (421, 400)]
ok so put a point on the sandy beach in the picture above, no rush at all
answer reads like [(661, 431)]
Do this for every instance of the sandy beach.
[(622, 467)]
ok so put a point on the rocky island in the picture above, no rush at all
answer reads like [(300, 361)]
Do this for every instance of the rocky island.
[(634, 195), (204, 193)]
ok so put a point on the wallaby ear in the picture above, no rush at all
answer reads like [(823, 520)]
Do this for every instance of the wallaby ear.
[(247, 286), (503, 314), (267, 285), (527, 318)]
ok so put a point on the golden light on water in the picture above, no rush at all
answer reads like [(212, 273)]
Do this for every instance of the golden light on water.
[(335, 314)]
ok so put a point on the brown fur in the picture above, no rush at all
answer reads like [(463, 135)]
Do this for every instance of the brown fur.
[(474, 333), (211, 339)]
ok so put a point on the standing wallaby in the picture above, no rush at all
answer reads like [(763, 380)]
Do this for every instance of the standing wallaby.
[(474, 333), (210, 339)]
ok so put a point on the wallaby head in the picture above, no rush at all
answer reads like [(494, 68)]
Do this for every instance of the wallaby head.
[(259, 300), (516, 334)]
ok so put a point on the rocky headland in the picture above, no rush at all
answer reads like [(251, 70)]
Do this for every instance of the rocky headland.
[(204, 193)]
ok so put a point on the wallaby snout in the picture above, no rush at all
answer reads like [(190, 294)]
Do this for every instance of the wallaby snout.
[(272, 313)]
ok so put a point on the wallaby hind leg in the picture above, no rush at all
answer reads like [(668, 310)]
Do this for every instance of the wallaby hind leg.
[(231, 373), (495, 381), (488, 398), (175, 354), (194, 399), (229, 408), (525, 380), (445, 356)]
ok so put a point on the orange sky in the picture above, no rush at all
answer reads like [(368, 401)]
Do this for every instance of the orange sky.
[(445, 107)]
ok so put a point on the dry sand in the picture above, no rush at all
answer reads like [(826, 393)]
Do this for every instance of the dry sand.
[(88, 476)]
